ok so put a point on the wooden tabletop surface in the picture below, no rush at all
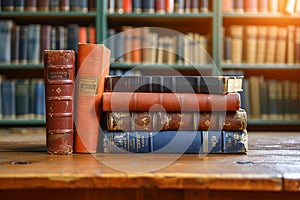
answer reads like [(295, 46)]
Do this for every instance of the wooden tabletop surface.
[(272, 164)]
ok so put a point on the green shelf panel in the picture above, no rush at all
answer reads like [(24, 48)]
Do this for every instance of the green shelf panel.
[(13, 66), (261, 66), (158, 66), (157, 15), (39, 122), (260, 122)]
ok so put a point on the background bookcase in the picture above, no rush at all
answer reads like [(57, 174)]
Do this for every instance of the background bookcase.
[(210, 23)]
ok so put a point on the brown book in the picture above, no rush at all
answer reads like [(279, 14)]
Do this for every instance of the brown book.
[(64, 5), (271, 44), (261, 44), (31, 5), (93, 66), (45, 39), (263, 6), (297, 45), (236, 33), (227, 5), (250, 44), (281, 46), (171, 102), (59, 73), (290, 44), (251, 6), (166, 121), (273, 6), (43, 5)]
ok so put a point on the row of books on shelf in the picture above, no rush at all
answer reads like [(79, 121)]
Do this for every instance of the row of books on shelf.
[(158, 6), (270, 99), (261, 44), (48, 5), (261, 6), (22, 99), (25, 43), (147, 45), (194, 111)]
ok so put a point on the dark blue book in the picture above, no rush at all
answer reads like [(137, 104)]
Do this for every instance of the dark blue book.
[(8, 5), (1, 79), (23, 44), (179, 6), (110, 42), (53, 38), (72, 37), (40, 102), (148, 6), (119, 46), (111, 6), (79, 5), (54, 5), (19, 5), (8, 93), (176, 142), (61, 33), (45, 43), (22, 99), (15, 44), (5, 40), (33, 50), (137, 6)]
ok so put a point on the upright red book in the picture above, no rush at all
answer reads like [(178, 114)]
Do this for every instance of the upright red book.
[(59, 76), (251, 6), (93, 65), (127, 6)]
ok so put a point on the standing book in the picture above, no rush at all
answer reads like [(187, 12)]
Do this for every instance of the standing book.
[(93, 66), (59, 75)]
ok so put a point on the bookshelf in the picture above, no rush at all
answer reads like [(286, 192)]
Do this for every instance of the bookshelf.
[(210, 22)]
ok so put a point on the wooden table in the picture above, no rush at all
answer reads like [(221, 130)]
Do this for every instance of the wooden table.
[(270, 170)]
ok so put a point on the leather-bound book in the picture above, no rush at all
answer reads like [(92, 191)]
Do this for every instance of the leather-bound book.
[(59, 76), (43, 5), (168, 121), (172, 102), (93, 66), (31, 5), (64, 5)]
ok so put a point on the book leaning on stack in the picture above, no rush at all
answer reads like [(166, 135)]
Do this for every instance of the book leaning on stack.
[(174, 114)]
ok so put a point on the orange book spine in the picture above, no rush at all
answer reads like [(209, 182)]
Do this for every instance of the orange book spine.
[(127, 6), (93, 66), (82, 34), (122, 101)]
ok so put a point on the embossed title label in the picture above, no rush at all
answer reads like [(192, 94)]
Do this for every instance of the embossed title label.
[(88, 85), (58, 75)]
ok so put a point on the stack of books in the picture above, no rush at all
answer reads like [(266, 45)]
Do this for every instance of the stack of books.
[(174, 114)]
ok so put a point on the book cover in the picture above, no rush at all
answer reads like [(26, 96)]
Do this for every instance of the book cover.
[(15, 44), (92, 5), (111, 6), (238, 6), (59, 77), (263, 6), (32, 100), (290, 52), (45, 40), (39, 99), (64, 5), (271, 44), (148, 6), (31, 5), (82, 34), (180, 84), (8, 5), (160, 6), (236, 33), (8, 93), (251, 44), (72, 37), (19, 5), (176, 142), (273, 6), (187, 6), (22, 98), (33, 50), (137, 6), (151, 121), (255, 96), (281, 46), (227, 5), (93, 66), (127, 6), (264, 99), (61, 40), (273, 94), (23, 44), (251, 6), (179, 6), (195, 6), (119, 6), (54, 5), (204, 5), (126, 101), (170, 6), (261, 44), (5, 40), (297, 45), (1, 109), (43, 5)]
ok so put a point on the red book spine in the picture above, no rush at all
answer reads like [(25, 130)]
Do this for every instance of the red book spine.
[(171, 102), (136, 54), (59, 73), (93, 66), (82, 34), (127, 6), (251, 5), (31, 5), (168, 121), (160, 6)]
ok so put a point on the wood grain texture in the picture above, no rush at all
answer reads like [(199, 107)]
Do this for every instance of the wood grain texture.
[(270, 170)]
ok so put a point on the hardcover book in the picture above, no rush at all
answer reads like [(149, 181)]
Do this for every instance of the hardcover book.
[(8, 93), (150, 121), (176, 142), (59, 75), (180, 84), (5, 40), (19, 5), (93, 66), (22, 98), (172, 102)]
